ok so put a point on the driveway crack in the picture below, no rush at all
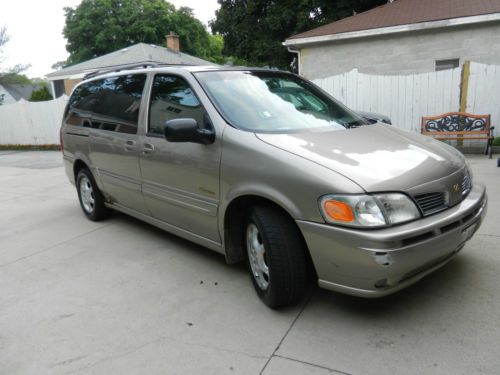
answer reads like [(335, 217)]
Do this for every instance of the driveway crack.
[(314, 365), (487, 235), (152, 342), (304, 305)]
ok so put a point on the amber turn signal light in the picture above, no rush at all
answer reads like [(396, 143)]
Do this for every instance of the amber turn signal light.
[(338, 210)]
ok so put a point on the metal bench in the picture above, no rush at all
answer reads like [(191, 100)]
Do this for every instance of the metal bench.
[(459, 126)]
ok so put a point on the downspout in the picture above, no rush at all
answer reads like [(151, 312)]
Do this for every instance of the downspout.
[(296, 50), (53, 89)]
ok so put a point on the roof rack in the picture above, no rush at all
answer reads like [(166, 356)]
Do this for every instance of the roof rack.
[(122, 67)]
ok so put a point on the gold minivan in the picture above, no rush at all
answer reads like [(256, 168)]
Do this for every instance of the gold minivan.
[(264, 167)]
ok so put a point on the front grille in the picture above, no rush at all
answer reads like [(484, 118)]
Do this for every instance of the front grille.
[(431, 203), (466, 184)]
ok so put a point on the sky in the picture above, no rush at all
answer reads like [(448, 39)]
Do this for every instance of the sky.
[(35, 30)]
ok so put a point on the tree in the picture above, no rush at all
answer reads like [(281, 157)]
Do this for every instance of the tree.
[(16, 79), (10, 75), (4, 38), (97, 27), (41, 95), (215, 48), (253, 30), (59, 65)]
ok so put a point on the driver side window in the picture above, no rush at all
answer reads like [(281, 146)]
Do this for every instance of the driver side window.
[(171, 98)]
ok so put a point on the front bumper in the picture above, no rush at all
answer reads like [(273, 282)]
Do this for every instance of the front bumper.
[(375, 263)]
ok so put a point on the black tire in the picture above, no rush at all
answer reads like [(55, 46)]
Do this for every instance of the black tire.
[(284, 255), (90, 197)]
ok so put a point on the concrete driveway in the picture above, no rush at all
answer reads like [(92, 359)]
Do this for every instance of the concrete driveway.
[(121, 297)]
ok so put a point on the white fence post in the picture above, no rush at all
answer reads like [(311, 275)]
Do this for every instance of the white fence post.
[(483, 96)]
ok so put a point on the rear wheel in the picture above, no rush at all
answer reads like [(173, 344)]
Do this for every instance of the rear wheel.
[(91, 198), (276, 257)]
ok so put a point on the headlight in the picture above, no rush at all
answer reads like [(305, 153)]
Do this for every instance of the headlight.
[(377, 210)]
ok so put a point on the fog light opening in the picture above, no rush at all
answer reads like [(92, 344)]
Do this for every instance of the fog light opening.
[(393, 281), (383, 259)]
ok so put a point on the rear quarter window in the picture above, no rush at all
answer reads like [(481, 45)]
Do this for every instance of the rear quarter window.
[(111, 103)]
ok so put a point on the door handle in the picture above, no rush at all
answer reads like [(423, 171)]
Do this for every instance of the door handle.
[(148, 149), (129, 145)]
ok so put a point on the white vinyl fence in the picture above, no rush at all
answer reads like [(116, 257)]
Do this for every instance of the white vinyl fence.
[(31, 123), (484, 92), (406, 98)]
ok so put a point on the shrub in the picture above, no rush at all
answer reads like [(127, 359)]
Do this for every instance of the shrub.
[(41, 95)]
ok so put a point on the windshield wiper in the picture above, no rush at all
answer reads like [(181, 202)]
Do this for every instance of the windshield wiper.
[(354, 124)]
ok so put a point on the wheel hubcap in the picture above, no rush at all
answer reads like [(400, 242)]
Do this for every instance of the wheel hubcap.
[(87, 195), (257, 257)]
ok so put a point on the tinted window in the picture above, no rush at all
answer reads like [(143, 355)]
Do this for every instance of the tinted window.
[(84, 97), (172, 97), (109, 104)]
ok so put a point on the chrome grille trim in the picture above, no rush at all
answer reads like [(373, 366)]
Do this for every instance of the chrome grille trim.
[(466, 184), (430, 203)]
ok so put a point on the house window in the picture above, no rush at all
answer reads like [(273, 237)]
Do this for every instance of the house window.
[(447, 64)]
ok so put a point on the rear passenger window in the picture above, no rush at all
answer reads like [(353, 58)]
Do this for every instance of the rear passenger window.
[(172, 97), (109, 104), (82, 102)]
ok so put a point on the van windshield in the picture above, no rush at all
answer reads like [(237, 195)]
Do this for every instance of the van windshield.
[(274, 102)]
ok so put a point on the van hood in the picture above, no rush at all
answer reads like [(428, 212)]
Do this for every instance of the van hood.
[(376, 157)]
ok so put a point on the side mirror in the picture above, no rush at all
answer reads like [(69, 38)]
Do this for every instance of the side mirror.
[(187, 130)]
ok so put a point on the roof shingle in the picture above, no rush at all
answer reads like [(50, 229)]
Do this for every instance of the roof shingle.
[(137, 54), (405, 12), (21, 91)]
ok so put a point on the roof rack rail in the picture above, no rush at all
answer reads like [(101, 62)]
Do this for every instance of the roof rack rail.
[(120, 68)]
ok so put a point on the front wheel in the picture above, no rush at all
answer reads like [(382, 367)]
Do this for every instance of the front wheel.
[(276, 257), (91, 198)]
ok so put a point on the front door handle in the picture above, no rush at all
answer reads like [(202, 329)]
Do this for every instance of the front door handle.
[(129, 145), (148, 149)]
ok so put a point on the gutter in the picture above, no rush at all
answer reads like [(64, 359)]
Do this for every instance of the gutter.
[(392, 30), (295, 50), (67, 76)]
